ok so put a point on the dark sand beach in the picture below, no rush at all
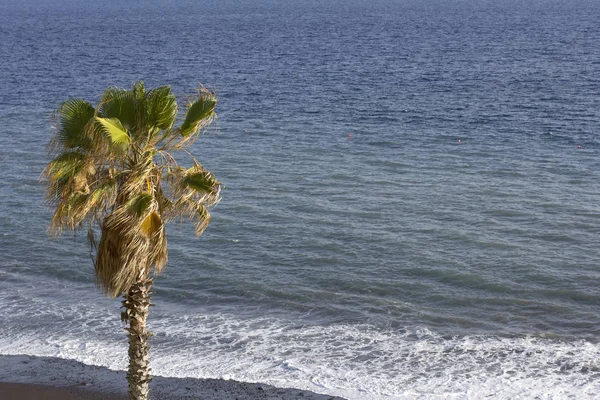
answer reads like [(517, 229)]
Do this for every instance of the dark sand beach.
[(25, 377), (21, 391)]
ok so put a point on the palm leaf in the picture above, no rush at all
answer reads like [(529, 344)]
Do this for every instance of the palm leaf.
[(199, 113), (115, 131), (103, 195), (139, 90), (68, 173), (140, 204), (75, 115), (164, 204), (74, 209), (136, 180), (122, 253), (202, 219), (151, 224), (201, 181), (195, 210), (162, 108), (121, 104), (66, 165)]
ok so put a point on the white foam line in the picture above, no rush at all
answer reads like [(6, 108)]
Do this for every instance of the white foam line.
[(353, 361)]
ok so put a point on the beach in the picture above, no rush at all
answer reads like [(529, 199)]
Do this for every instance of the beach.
[(25, 377), (20, 391)]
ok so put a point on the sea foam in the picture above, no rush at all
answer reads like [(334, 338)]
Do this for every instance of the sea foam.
[(352, 361)]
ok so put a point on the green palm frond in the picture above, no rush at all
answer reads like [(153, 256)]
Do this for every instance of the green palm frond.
[(141, 204), (199, 114), (75, 115), (194, 190), (195, 183), (115, 131), (120, 104), (139, 90), (202, 181), (68, 173), (162, 108), (66, 165)]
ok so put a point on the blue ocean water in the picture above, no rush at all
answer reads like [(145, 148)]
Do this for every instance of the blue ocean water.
[(411, 202)]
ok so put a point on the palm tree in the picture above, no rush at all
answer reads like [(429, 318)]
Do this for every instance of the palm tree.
[(113, 167)]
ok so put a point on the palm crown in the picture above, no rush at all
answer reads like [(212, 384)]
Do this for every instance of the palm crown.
[(114, 166)]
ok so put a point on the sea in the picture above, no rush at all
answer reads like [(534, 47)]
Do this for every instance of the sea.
[(410, 204)]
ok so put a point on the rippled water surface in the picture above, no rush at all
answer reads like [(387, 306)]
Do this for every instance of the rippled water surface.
[(411, 202)]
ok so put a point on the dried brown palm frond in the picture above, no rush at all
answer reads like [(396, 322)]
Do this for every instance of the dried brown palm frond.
[(194, 190), (133, 241)]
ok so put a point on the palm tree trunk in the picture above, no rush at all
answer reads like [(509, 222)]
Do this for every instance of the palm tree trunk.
[(136, 305)]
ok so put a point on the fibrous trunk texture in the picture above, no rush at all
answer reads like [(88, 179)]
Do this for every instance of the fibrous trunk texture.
[(136, 305)]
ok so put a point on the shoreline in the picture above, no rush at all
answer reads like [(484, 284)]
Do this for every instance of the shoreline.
[(24, 377), (28, 391)]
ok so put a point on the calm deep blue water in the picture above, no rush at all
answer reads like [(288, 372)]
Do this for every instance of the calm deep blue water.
[(411, 205)]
